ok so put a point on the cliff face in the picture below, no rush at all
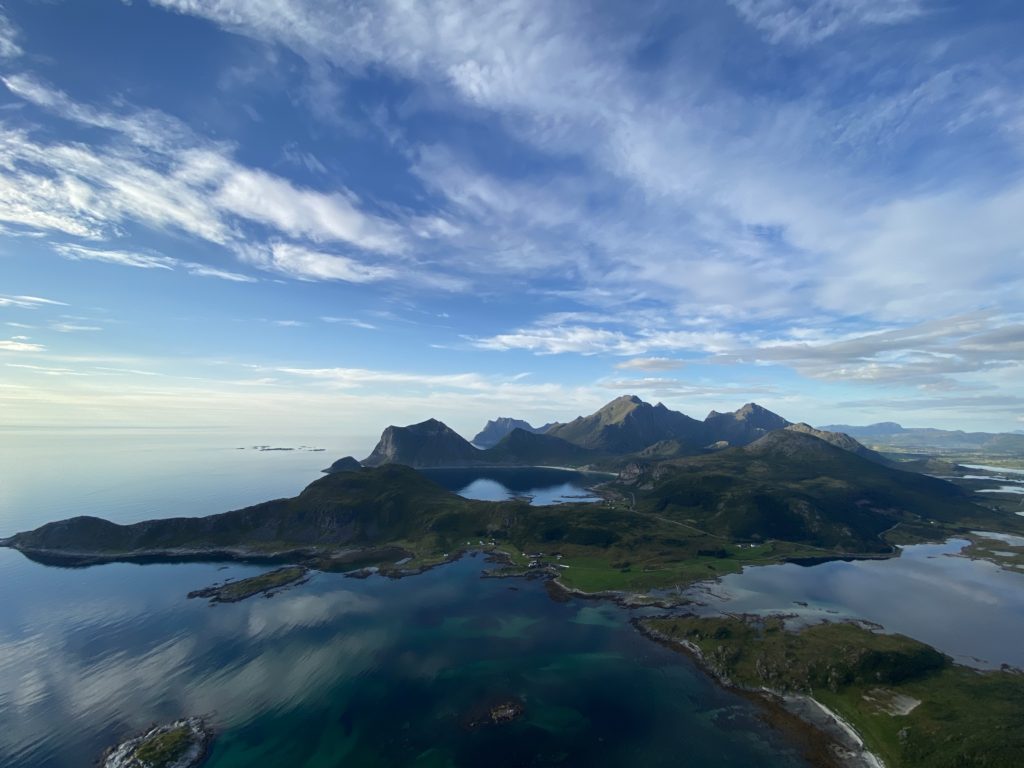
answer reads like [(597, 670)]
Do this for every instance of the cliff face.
[(427, 444)]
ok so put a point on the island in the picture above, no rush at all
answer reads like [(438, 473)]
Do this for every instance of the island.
[(264, 583), (181, 744)]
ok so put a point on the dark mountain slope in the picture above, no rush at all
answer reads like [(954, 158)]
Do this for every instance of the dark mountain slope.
[(742, 426), (841, 440), (520, 447), (627, 424), (796, 487), (497, 429), (368, 506)]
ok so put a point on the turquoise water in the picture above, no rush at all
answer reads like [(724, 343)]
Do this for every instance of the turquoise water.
[(346, 672)]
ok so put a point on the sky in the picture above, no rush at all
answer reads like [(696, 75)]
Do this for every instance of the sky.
[(328, 217)]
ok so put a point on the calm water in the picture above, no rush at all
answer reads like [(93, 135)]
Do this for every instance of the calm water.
[(379, 672), (542, 485), (348, 672), (971, 609), (130, 476)]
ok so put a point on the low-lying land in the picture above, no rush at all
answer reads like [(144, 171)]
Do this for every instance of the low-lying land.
[(233, 591), (911, 704)]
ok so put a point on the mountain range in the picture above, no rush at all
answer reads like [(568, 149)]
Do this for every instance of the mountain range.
[(889, 434), (496, 429), (626, 428)]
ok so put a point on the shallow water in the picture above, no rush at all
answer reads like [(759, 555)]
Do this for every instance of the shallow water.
[(340, 671), (972, 610), (542, 485)]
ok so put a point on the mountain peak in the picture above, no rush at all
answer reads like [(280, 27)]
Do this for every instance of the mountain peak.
[(430, 443), (496, 430)]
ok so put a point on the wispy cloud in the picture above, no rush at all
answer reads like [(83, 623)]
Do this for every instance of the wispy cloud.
[(145, 261), (650, 364), (804, 22), (29, 302), (352, 321), (170, 178), (308, 264), (122, 258), (590, 340), (9, 48), (20, 344)]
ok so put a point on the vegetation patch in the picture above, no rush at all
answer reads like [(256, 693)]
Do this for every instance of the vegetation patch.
[(911, 704)]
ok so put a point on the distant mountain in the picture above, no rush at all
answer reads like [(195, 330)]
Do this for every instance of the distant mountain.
[(625, 429), (840, 440), (530, 448), (427, 444), (786, 486), (627, 424), (742, 426), (891, 435), (881, 428), (496, 429), (346, 464)]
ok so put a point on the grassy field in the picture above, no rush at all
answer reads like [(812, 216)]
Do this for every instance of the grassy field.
[(912, 705)]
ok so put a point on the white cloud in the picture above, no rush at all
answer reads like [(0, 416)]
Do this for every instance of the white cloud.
[(588, 340), (204, 270), (352, 321), (167, 178), (650, 364), (804, 22), (9, 48), (74, 327), (123, 258), (334, 217), (307, 264), (28, 302), (20, 344)]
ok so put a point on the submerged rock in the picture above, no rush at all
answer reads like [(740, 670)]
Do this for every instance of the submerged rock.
[(181, 744), (495, 713)]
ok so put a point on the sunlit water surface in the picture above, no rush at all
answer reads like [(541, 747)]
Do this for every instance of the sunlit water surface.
[(375, 672), (341, 671)]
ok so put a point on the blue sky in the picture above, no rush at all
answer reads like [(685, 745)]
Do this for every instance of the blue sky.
[(333, 216)]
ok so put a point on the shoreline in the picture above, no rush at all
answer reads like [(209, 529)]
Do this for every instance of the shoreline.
[(823, 731)]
